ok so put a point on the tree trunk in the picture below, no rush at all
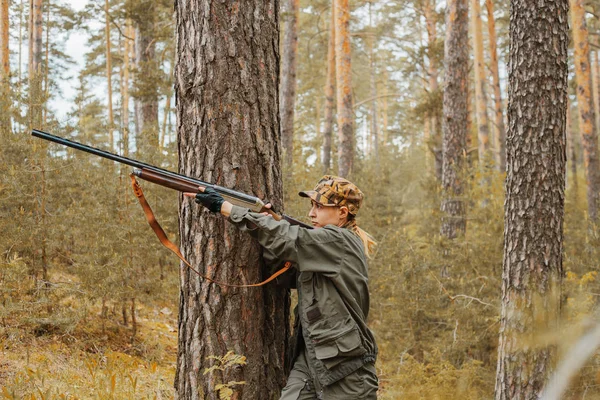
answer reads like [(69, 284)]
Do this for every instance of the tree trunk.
[(329, 96), (343, 72), (35, 63), (595, 89), (435, 140), (454, 123), (500, 136), (127, 47), (483, 129), (571, 151), (146, 89), (111, 120), (228, 133), (585, 104), (374, 139), (5, 100), (288, 81), (535, 185), (4, 38)]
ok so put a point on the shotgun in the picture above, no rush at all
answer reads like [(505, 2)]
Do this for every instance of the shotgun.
[(173, 180)]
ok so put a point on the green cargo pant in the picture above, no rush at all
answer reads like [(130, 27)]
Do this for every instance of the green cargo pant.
[(361, 384)]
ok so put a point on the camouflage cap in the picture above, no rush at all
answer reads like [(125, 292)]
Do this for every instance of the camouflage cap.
[(335, 191)]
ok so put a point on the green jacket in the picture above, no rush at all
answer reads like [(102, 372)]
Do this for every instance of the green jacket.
[(333, 297)]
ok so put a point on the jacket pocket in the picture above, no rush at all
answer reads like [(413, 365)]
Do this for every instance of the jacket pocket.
[(337, 349)]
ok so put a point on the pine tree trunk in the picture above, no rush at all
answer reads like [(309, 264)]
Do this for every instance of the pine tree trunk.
[(4, 38), (535, 189), (571, 152), (343, 72), (585, 104), (374, 139), (454, 123), (111, 120), (500, 136), (432, 72), (147, 98), (329, 96), (5, 100), (35, 63), (228, 133), (483, 128), (127, 46), (288, 80)]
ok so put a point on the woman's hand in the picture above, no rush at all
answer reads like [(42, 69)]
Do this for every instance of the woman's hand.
[(212, 200)]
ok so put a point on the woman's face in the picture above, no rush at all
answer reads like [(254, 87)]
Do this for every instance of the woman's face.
[(321, 215)]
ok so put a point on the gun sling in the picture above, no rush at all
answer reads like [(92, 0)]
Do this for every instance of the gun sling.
[(162, 236)]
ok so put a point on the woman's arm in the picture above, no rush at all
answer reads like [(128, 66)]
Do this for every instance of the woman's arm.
[(312, 250)]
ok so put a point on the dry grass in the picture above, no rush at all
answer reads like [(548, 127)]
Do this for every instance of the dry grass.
[(92, 362)]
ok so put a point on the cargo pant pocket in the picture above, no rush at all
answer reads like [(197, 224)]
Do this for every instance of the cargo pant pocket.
[(298, 390)]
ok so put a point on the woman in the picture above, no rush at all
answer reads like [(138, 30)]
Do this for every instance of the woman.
[(334, 352)]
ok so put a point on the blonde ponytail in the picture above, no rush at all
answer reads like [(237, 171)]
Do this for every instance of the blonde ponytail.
[(368, 240)]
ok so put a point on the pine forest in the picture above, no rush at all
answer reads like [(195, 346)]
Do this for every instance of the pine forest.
[(470, 126)]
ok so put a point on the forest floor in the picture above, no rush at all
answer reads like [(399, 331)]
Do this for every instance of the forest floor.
[(96, 360)]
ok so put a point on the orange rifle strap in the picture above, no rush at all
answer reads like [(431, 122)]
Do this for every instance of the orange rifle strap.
[(162, 236)]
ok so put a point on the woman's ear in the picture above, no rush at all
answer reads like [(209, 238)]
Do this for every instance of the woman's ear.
[(343, 212)]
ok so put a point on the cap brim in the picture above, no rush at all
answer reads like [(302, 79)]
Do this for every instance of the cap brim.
[(314, 196)]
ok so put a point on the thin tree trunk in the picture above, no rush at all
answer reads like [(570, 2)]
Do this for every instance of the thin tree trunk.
[(109, 75), (385, 106), (595, 68), (483, 128), (288, 81), (4, 38), (46, 77), (571, 151), (35, 63), (585, 104), (435, 141), (5, 101), (329, 96), (228, 133), (374, 139), (127, 48), (500, 136), (534, 205), (454, 123), (343, 69), (147, 110)]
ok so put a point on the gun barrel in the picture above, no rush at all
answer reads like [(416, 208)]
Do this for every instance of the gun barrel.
[(242, 198)]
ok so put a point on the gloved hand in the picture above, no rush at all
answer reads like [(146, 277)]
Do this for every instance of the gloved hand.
[(210, 199)]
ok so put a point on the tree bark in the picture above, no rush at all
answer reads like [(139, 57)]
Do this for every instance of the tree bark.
[(228, 133), (535, 186), (571, 152), (585, 104), (111, 120), (35, 63), (4, 38), (329, 96), (454, 123), (5, 101), (435, 140), (500, 136), (343, 73), (146, 89), (288, 81), (374, 139), (483, 128)]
